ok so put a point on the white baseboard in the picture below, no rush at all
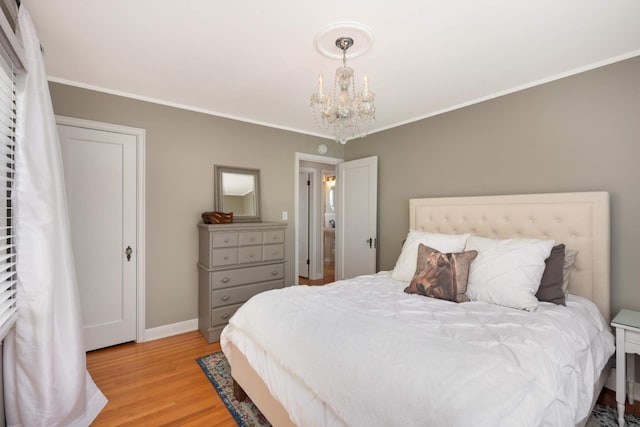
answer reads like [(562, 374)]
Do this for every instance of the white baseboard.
[(611, 385), (170, 330)]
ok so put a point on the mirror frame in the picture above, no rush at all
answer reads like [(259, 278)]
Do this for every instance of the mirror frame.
[(218, 196)]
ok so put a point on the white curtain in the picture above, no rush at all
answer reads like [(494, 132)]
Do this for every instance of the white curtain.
[(46, 380)]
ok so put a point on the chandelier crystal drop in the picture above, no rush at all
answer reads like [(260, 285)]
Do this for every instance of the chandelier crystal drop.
[(347, 112)]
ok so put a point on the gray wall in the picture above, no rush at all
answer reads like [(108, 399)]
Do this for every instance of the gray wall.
[(181, 149), (581, 133)]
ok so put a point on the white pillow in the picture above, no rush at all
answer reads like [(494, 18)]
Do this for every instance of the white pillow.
[(507, 272), (569, 259), (407, 261)]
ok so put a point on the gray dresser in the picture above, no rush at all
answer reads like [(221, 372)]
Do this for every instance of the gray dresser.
[(236, 261)]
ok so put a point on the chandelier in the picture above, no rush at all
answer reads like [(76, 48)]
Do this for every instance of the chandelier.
[(347, 112)]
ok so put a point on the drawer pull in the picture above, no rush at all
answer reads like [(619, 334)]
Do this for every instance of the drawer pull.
[(225, 280), (226, 258), (225, 297), (274, 253), (252, 255), (274, 273), (226, 240), (253, 239), (225, 316), (275, 237)]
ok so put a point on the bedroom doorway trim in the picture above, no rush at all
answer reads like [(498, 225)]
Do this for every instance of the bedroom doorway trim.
[(139, 134), (298, 158)]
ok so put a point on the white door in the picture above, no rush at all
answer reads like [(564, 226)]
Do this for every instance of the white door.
[(356, 228), (304, 187), (100, 179)]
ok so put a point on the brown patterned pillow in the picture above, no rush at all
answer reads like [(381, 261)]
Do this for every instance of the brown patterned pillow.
[(440, 275)]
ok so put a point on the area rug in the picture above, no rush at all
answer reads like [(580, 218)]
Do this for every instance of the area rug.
[(216, 367), (606, 416)]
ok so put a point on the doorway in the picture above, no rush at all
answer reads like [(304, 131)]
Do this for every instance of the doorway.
[(314, 229), (316, 223), (328, 226), (355, 209)]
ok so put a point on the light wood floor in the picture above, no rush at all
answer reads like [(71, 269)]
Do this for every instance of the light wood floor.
[(159, 383), (328, 276)]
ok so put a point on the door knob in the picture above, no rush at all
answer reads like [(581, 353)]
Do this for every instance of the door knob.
[(128, 252)]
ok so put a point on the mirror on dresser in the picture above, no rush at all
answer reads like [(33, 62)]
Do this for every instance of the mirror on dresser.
[(237, 190)]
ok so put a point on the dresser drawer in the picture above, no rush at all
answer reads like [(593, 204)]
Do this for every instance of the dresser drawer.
[(224, 239), (239, 294), (273, 236), (245, 276), (223, 314), (250, 238), (249, 254), (272, 252), (223, 257)]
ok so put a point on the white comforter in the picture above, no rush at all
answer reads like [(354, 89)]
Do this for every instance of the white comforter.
[(364, 353)]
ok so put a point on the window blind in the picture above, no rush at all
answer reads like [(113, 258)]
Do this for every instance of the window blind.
[(8, 309)]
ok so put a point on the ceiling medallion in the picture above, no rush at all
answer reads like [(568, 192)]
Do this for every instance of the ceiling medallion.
[(362, 36)]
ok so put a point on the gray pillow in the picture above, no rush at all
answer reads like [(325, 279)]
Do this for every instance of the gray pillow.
[(550, 289)]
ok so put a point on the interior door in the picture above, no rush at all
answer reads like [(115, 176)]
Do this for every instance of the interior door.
[(100, 179), (304, 187), (356, 227)]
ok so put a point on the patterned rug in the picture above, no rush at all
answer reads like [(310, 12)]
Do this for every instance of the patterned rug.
[(606, 416), (246, 414), (216, 367)]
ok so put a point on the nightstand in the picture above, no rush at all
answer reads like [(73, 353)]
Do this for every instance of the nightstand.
[(627, 324)]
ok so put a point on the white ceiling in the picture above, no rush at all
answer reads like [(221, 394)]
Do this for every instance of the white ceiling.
[(256, 61)]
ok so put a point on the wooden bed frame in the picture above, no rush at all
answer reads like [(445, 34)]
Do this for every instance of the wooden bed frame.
[(579, 220)]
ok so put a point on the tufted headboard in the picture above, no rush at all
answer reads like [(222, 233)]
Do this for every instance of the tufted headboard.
[(579, 220)]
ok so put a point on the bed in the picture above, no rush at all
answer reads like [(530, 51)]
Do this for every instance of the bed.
[(413, 360)]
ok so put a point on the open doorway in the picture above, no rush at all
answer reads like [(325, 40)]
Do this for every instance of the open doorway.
[(315, 219), (355, 213), (328, 227), (316, 223)]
